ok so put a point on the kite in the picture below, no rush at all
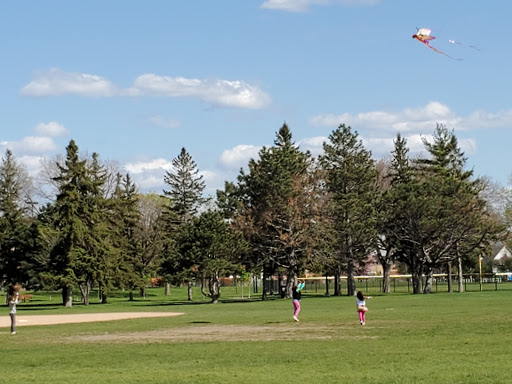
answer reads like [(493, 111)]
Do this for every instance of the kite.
[(423, 36)]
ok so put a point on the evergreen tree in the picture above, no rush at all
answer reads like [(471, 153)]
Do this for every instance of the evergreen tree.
[(212, 248), (275, 216), (186, 187), (80, 249), (185, 196), (438, 215), (397, 175), (15, 228), (125, 220), (463, 215), (351, 181)]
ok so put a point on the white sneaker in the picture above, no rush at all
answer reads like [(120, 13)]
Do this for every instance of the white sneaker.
[(295, 318), (362, 323), (13, 333)]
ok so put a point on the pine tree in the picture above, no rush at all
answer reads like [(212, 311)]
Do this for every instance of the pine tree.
[(398, 174), (462, 215), (436, 213), (15, 231), (185, 195), (125, 221), (80, 250), (275, 216), (213, 248), (351, 181), (186, 187)]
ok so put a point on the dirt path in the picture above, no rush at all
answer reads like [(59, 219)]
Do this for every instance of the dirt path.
[(23, 321)]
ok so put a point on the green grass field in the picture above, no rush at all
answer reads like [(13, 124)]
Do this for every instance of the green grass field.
[(437, 338)]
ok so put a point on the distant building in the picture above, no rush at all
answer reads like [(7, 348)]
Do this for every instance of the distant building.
[(499, 260)]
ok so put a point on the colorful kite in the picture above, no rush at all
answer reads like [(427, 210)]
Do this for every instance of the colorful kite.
[(423, 36)]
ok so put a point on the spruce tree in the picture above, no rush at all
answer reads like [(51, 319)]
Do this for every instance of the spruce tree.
[(15, 231), (351, 181), (275, 216), (185, 196), (213, 248), (186, 187), (125, 221), (80, 250)]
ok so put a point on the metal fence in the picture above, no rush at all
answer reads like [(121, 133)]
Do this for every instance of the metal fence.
[(401, 283)]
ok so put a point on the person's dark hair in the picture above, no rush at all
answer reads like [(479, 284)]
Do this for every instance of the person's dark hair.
[(360, 295)]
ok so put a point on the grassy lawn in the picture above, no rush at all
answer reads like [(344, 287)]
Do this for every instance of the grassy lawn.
[(438, 338)]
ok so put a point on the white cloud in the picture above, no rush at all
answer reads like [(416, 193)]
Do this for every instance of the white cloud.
[(303, 5), (409, 120), (31, 163), (30, 144), (378, 129), (213, 181), (146, 166), (149, 182), (483, 120), (313, 144), (217, 92), (415, 120), (160, 122), (55, 82), (238, 157), (52, 129)]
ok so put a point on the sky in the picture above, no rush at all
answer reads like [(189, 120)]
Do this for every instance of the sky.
[(137, 81)]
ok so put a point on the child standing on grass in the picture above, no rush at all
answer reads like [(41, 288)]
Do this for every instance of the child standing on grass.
[(13, 299), (297, 295), (361, 306)]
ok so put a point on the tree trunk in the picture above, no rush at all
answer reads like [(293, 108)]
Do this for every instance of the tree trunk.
[(449, 276), (351, 282), (214, 287), (428, 281), (386, 277), (459, 272), (85, 289), (337, 283), (416, 283), (189, 291), (264, 287), (167, 288), (67, 298), (417, 276), (327, 294), (291, 278)]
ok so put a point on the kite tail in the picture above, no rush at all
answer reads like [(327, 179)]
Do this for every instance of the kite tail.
[(464, 45)]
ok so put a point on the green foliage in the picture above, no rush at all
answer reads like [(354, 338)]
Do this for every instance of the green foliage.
[(351, 181), (17, 236), (434, 213), (210, 249), (81, 252), (275, 212), (186, 187)]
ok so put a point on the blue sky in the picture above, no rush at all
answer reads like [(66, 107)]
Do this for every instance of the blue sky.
[(135, 81)]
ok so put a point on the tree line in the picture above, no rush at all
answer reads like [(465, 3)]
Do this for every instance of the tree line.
[(288, 212)]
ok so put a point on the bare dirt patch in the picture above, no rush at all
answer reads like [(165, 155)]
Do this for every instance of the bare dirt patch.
[(226, 333), (23, 321)]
